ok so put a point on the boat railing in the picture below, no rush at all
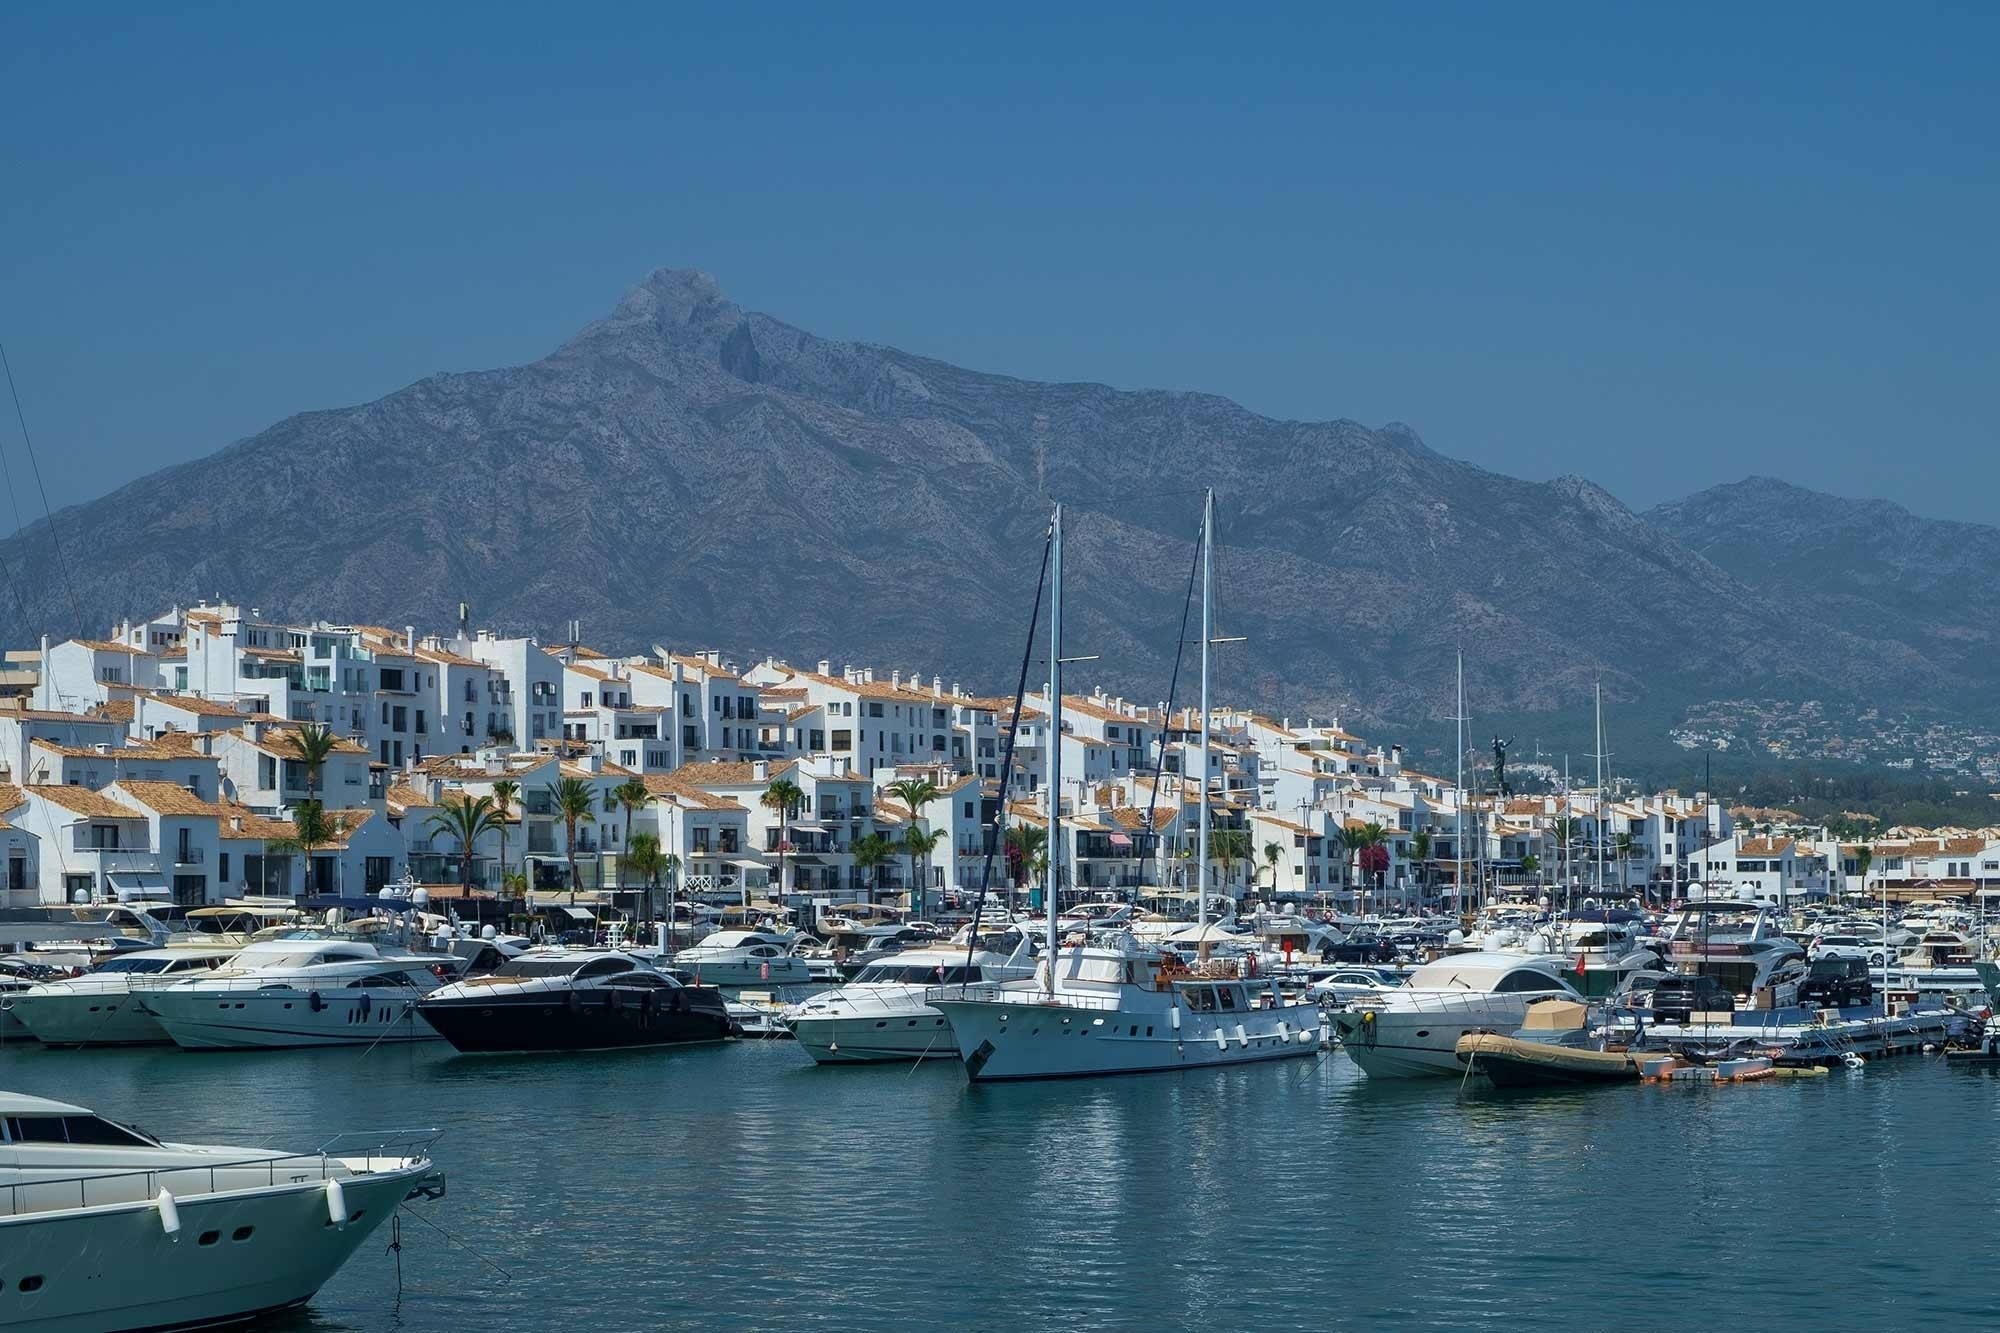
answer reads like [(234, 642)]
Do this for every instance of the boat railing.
[(841, 1002), (248, 985), (992, 992), (1428, 1001), (364, 1154)]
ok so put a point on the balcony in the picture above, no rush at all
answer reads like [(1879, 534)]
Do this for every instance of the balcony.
[(134, 840), (191, 856)]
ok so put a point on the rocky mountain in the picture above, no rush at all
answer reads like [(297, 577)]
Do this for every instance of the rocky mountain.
[(1870, 567), (687, 472)]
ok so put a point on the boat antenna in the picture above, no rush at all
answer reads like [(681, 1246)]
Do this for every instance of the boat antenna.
[(1007, 752)]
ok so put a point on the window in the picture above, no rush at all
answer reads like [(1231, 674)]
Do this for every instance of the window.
[(604, 967), (583, 699), (71, 1129), (421, 729)]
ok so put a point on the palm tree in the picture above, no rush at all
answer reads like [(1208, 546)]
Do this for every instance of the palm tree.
[(1531, 863), (1373, 835), (915, 793), (920, 843), (1864, 857), (1420, 848), (784, 796), (1228, 846), (1622, 848), (505, 792), (1024, 849), (1273, 853), (312, 743), (577, 804), (465, 818), (642, 851), (633, 795), (310, 829), (1352, 840), (871, 852)]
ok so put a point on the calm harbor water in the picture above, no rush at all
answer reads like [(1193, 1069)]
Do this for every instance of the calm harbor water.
[(739, 1187)]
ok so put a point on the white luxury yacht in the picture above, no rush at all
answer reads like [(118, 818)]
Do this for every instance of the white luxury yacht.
[(1743, 945), (743, 958), (106, 1228), (882, 1014), (301, 991), (99, 1009), (1414, 1028), (1114, 1005)]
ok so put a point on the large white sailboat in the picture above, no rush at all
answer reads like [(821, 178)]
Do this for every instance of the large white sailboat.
[(1114, 1005)]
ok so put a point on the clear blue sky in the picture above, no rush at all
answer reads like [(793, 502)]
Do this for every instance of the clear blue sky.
[(1659, 245)]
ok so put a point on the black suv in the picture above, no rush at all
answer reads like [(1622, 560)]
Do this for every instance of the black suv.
[(1834, 982), (1677, 999)]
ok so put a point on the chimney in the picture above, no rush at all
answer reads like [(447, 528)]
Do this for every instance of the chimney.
[(760, 770), (868, 675), (895, 680), (236, 823), (825, 667), (409, 638), (937, 687)]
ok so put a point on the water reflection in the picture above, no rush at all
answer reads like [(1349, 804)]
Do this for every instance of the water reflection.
[(739, 1187)]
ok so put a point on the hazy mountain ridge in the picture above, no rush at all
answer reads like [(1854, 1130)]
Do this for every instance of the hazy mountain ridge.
[(683, 471)]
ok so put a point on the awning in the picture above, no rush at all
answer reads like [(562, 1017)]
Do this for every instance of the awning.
[(1120, 840), (747, 864), (807, 861), (809, 826)]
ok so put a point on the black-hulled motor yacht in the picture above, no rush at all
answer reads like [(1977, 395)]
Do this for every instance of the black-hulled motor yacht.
[(574, 1000)]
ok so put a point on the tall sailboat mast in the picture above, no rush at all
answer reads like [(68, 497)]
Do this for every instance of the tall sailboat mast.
[(1054, 853), (1458, 780), (1207, 633), (1603, 806)]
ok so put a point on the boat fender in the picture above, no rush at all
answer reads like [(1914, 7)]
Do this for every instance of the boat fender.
[(649, 1003), (365, 1004), (1284, 1031), (314, 1002), (336, 1203), (574, 1001), (170, 1213), (1221, 1042), (1368, 1027), (614, 999), (1174, 1017)]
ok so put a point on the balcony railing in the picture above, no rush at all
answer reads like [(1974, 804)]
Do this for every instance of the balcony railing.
[(190, 856), (132, 842)]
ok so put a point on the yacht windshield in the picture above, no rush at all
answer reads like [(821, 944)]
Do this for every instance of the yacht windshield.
[(537, 967), (71, 1129), (911, 974), (133, 965)]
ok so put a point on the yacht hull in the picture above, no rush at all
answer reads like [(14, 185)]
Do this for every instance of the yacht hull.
[(109, 1018), (1390, 1044), (1001, 1042), (590, 1023), (210, 1020), (107, 1269), (916, 1035)]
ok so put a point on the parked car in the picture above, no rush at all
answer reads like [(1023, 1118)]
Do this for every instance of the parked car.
[(1677, 999), (1359, 949), (1834, 982), (1846, 946)]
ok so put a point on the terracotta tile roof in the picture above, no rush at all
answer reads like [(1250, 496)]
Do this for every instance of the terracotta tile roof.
[(137, 750), (10, 796), (117, 710), (107, 646), (443, 658), (1764, 847), (402, 796), (165, 798), (84, 801), (664, 785), (198, 707), (736, 774), (278, 740), (51, 715), (240, 821)]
